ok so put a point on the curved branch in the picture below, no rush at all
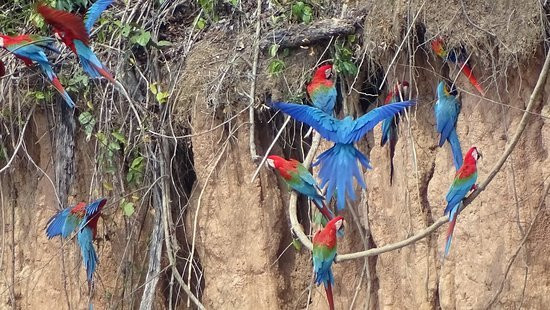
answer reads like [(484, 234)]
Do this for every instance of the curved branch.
[(296, 227)]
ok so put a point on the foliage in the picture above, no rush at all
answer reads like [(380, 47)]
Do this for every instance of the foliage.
[(276, 65), (343, 57), (302, 12)]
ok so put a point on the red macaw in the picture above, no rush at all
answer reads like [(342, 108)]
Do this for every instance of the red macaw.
[(324, 253), (28, 48), (321, 89), (451, 56), (297, 177), (465, 180), (391, 124), (83, 218), (75, 33)]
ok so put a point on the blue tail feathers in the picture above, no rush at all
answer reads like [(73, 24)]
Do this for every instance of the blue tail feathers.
[(89, 256), (455, 148), (338, 168)]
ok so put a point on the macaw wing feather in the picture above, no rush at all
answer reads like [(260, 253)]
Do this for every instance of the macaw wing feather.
[(324, 123), (95, 206), (71, 24), (55, 226), (458, 191), (367, 122), (94, 12)]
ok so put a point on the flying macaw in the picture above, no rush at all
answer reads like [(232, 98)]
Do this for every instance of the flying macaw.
[(75, 33), (451, 56), (446, 109), (321, 89), (324, 252), (29, 49), (390, 124), (297, 177), (465, 180), (339, 163), (84, 218)]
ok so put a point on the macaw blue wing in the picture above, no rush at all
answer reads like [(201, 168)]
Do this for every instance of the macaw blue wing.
[(322, 267), (458, 190), (367, 122), (94, 12), (89, 256), (56, 224), (324, 123), (95, 206)]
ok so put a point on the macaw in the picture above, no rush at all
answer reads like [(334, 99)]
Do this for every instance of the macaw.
[(339, 163), (451, 56), (29, 49), (75, 33), (390, 124), (465, 180), (321, 89), (446, 109), (297, 177), (324, 252), (83, 218)]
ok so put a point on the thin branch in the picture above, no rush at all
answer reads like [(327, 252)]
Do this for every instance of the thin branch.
[(295, 226), (252, 94)]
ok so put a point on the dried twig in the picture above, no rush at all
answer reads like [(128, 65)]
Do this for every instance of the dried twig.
[(252, 94)]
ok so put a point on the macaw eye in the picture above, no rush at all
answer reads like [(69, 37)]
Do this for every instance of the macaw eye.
[(328, 73)]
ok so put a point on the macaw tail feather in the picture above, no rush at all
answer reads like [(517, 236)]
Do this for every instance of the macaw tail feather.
[(330, 299), (90, 63), (455, 148), (450, 230), (322, 207), (89, 256), (470, 75), (48, 71), (338, 168)]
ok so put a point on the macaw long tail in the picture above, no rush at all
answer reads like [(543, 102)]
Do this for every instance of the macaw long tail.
[(338, 168), (90, 63), (89, 256), (328, 290), (470, 75), (322, 207), (452, 218), (48, 71), (455, 148)]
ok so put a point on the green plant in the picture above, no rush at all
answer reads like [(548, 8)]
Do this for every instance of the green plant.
[(343, 57), (160, 96), (276, 65), (302, 12)]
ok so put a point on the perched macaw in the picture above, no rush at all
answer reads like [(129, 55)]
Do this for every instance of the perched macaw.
[(339, 163), (75, 33), (390, 124), (297, 177), (29, 49), (446, 109), (321, 89), (465, 180), (84, 218), (460, 59), (324, 252)]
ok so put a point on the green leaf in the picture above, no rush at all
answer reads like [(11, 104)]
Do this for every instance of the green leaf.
[(275, 67), (297, 244), (142, 38), (114, 146), (127, 207), (162, 97), (153, 88), (119, 136), (201, 23), (85, 117), (273, 50), (163, 43)]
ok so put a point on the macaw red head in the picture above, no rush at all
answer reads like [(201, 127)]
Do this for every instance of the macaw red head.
[(400, 91), (437, 47), (324, 72), (274, 161), (336, 222), (473, 154)]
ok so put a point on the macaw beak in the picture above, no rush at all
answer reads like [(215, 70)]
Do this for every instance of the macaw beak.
[(479, 154)]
